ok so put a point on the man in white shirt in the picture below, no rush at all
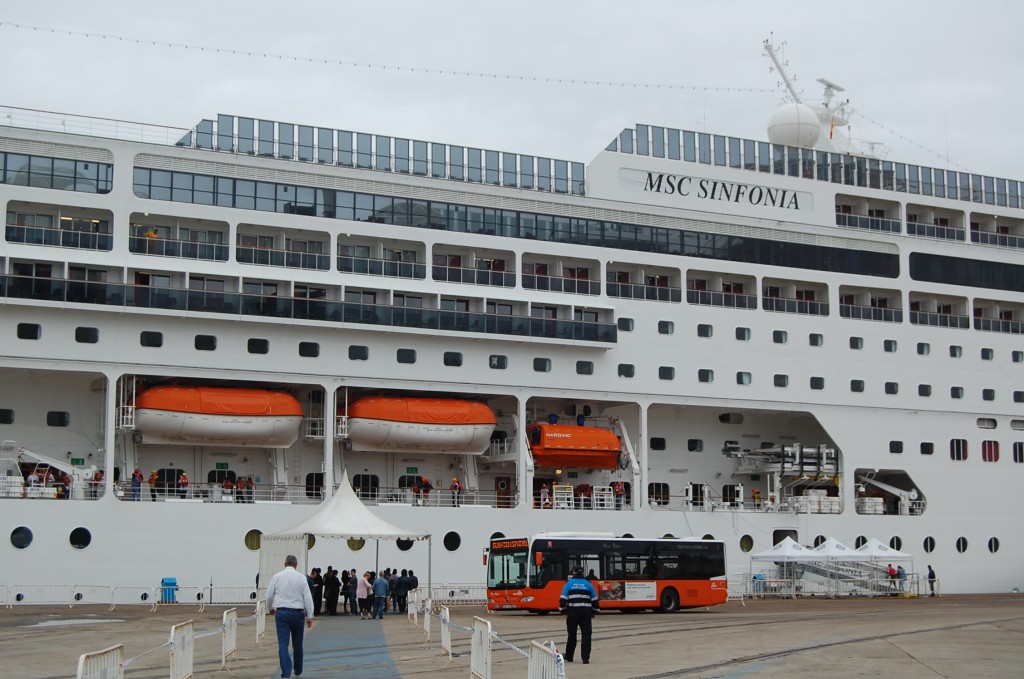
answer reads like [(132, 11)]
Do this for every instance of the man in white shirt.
[(291, 603)]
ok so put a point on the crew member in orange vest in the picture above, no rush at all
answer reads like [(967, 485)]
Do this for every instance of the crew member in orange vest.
[(183, 485)]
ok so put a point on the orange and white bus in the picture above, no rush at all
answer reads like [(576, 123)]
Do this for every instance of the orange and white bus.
[(527, 574)]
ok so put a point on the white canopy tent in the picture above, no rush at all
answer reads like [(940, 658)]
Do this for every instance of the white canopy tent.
[(344, 516), (875, 550), (833, 550)]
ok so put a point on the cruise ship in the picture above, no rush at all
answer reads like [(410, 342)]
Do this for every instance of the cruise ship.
[(693, 335)]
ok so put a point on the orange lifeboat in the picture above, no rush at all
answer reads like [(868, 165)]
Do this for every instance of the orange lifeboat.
[(423, 425), (217, 416), (560, 445)]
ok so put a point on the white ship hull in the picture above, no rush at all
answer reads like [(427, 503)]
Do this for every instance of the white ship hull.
[(769, 369)]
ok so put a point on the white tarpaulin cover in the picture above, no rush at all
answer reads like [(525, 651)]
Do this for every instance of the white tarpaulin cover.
[(833, 550), (875, 550), (787, 550), (345, 516)]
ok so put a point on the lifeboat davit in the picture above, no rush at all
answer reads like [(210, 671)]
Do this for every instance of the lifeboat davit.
[(561, 445), (423, 425), (216, 416)]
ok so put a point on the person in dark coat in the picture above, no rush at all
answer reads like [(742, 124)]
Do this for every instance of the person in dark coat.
[(332, 590)]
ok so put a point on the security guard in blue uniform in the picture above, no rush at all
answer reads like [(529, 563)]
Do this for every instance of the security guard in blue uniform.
[(579, 604)]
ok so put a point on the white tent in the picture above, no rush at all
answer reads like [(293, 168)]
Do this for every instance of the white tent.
[(875, 550), (787, 550), (344, 516), (833, 550)]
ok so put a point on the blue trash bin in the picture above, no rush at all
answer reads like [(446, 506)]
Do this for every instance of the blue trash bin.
[(168, 590)]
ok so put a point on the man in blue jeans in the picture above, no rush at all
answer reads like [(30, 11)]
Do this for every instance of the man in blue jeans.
[(291, 603), (380, 596)]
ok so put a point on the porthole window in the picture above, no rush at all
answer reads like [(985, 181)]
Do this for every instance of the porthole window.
[(29, 331), (666, 327), (859, 542), (817, 383), (150, 338), (708, 536), (731, 418), (258, 346), (453, 358), (358, 352), (857, 386), (695, 445), (743, 377), (498, 362), (705, 375), (85, 335), (746, 543), (205, 343), (743, 334), (452, 541), (956, 392), (80, 538), (988, 394), (310, 542), (816, 339), (924, 390), (58, 418), (987, 354), (961, 544), (21, 537), (657, 443), (625, 324), (889, 345), (542, 365), (923, 348), (705, 330), (993, 545), (856, 343), (584, 367), (928, 545), (896, 447), (927, 448), (497, 535), (896, 543), (309, 349), (253, 538), (403, 544), (627, 535), (780, 336), (1017, 356), (666, 372), (781, 380), (955, 351), (355, 544), (892, 388), (819, 540), (6, 416), (627, 370)]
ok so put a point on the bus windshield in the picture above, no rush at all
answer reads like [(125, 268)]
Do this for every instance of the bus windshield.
[(507, 564)]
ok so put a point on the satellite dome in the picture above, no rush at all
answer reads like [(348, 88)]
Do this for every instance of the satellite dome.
[(794, 125)]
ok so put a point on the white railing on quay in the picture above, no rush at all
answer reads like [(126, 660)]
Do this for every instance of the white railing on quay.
[(84, 595), (182, 650), (459, 594), (545, 662), (46, 595), (446, 634), (425, 608), (230, 595), (105, 664), (127, 595), (261, 619), (229, 637), (480, 649), (174, 595)]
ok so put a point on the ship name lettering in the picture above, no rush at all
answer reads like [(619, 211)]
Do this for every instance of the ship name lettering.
[(711, 189)]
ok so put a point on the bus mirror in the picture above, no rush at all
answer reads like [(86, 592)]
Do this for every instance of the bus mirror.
[(485, 555), (538, 558)]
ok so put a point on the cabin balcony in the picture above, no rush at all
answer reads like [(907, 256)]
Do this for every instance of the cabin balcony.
[(654, 293), (870, 223), (996, 316), (1001, 232), (166, 247), (710, 288), (938, 311), (289, 259), (870, 305), (933, 231), (458, 274), (381, 267), (61, 238), (573, 286), (872, 214)]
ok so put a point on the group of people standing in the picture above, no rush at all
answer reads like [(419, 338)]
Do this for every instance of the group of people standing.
[(367, 595)]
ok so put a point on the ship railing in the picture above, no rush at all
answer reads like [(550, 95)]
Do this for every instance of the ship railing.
[(870, 313), (61, 238), (1004, 240), (107, 128), (125, 418), (574, 286), (216, 493), (503, 447), (290, 259), (460, 274), (725, 299), (933, 231), (313, 428), (939, 320), (661, 293), (871, 223), (229, 595), (381, 267), (184, 249), (384, 496), (795, 306)]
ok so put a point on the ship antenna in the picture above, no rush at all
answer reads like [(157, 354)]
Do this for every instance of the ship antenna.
[(780, 66)]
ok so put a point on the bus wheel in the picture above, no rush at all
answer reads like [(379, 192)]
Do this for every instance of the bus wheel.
[(669, 601)]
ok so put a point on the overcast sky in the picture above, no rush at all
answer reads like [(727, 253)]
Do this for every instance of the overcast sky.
[(931, 79)]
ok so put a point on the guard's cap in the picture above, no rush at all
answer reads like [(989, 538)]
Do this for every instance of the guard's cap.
[(578, 571)]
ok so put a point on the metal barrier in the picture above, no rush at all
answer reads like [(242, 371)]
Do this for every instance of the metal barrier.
[(4, 594), (459, 594), (105, 664), (412, 608), (229, 636), (261, 619), (545, 662), (91, 594), (51, 595), (183, 642), (446, 634), (480, 649), (425, 607), (135, 596), (177, 594), (230, 596)]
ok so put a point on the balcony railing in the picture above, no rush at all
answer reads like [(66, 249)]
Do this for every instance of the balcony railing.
[(939, 320), (165, 247), (458, 274), (870, 313), (999, 325), (795, 306), (729, 299), (1004, 240), (649, 292), (573, 286), (381, 267), (60, 238), (283, 258), (117, 294), (932, 231), (871, 223)]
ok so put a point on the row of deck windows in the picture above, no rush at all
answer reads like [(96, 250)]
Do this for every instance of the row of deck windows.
[(722, 151)]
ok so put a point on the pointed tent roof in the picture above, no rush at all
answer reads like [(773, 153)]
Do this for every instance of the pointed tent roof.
[(787, 550), (833, 550), (345, 516), (876, 549)]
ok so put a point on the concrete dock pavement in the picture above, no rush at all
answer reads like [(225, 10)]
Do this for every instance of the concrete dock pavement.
[(952, 636)]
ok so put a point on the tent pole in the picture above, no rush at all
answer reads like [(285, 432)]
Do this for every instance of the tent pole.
[(376, 560), (430, 563)]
